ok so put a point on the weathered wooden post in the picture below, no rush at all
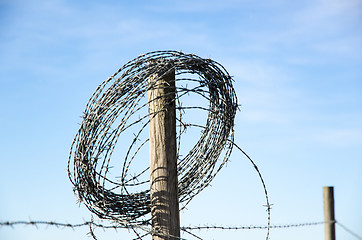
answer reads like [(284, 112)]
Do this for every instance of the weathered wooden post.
[(328, 203), (163, 166)]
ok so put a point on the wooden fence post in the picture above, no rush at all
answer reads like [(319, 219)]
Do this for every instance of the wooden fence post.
[(163, 159), (328, 203)]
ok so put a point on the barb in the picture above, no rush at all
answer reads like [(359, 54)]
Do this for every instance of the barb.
[(185, 228), (251, 227), (91, 232), (268, 205), (48, 223), (59, 224), (119, 106)]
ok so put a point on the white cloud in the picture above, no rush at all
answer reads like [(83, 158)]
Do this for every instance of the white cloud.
[(331, 26), (264, 91), (339, 137), (315, 32), (200, 6), (323, 11)]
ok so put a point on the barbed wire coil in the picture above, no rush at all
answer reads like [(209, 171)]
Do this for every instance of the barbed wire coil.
[(120, 104)]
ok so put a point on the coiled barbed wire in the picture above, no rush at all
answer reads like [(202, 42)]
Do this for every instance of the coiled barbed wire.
[(119, 106)]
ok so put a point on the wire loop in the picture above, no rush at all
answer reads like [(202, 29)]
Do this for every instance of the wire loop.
[(119, 106)]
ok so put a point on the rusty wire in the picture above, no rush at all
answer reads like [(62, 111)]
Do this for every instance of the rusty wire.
[(119, 106)]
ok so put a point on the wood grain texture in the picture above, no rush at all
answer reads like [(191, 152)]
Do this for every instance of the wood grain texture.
[(163, 165)]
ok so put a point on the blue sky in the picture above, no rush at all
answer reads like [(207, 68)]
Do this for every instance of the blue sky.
[(297, 67)]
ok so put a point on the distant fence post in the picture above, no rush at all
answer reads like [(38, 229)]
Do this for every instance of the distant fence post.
[(328, 203)]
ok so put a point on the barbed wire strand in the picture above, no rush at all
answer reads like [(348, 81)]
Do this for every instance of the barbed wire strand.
[(253, 227), (186, 229), (268, 206), (348, 230), (190, 233), (119, 106)]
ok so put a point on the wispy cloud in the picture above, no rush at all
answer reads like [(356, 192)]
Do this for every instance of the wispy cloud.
[(315, 32), (339, 137), (264, 91), (200, 6), (54, 34), (331, 27)]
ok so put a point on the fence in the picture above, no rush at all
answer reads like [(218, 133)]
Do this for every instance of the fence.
[(121, 107), (189, 229)]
